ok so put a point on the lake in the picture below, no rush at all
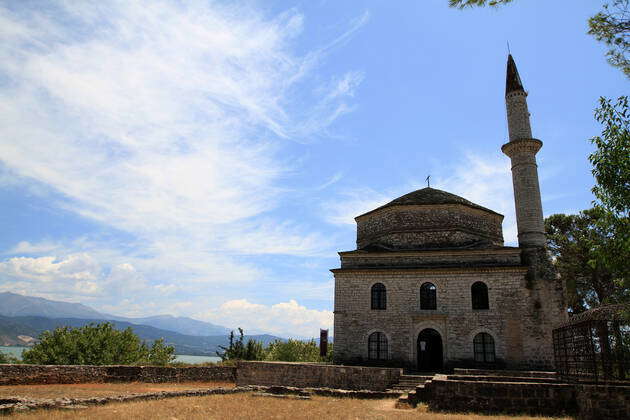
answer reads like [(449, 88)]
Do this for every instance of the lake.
[(16, 351)]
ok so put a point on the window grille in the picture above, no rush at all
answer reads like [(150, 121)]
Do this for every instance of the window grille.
[(479, 294), (377, 346), (379, 296), (484, 348), (428, 296)]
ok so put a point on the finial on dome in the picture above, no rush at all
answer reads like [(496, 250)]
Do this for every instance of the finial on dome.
[(513, 80)]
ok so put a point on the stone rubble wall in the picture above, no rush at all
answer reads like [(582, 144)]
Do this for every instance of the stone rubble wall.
[(603, 402), (316, 375), (59, 374), (488, 397)]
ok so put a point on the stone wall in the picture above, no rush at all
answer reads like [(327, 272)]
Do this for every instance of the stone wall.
[(51, 374), (316, 375), (487, 397), (515, 328), (603, 402), (438, 258), (428, 226)]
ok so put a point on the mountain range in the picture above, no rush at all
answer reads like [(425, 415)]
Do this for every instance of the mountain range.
[(23, 318)]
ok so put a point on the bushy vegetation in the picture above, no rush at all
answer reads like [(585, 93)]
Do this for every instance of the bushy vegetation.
[(7, 358), (96, 344), (286, 351)]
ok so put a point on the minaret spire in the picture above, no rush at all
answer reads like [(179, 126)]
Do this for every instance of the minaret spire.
[(513, 80), (522, 149)]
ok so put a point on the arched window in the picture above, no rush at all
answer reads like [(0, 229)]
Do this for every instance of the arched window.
[(379, 296), (377, 346), (484, 348), (479, 293), (428, 296)]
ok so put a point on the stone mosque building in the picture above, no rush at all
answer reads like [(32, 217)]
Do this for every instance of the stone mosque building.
[(431, 285)]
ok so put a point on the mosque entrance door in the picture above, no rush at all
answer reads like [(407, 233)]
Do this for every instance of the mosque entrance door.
[(429, 350)]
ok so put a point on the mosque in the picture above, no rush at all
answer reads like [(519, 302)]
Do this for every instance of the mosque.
[(431, 285)]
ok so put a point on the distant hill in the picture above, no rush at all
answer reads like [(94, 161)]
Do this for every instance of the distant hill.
[(13, 304), (11, 327), (179, 324)]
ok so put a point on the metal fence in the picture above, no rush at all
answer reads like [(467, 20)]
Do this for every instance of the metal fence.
[(593, 350)]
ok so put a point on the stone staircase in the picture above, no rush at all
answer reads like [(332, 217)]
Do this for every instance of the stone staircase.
[(421, 392), (410, 382)]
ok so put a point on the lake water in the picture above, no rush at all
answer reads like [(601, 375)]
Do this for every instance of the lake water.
[(16, 351), (196, 359)]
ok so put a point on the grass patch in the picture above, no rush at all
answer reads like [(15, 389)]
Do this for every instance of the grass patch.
[(101, 389), (245, 406)]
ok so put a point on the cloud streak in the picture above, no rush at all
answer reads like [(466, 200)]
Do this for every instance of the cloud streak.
[(165, 121)]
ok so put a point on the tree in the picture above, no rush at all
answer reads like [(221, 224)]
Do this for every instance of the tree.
[(611, 169), (293, 351), (610, 26), (611, 160), (96, 344), (7, 358), (238, 350), (576, 243)]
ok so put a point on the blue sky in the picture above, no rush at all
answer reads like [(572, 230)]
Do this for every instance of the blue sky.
[(207, 159)]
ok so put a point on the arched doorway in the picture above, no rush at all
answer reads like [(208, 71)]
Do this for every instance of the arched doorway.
[(429, 350)]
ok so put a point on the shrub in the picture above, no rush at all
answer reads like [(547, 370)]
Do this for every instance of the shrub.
[(96, 344)]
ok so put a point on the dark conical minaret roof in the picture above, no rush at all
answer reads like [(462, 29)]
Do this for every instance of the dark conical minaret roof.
[(513, 80)]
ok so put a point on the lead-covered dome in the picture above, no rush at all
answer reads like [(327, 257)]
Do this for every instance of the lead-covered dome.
[(426, 219)]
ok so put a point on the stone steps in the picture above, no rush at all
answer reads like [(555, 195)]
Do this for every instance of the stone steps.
[(492, 378), (410, 382)]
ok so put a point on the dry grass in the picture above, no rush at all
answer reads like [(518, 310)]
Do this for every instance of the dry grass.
[(101, 390), (246, 406)]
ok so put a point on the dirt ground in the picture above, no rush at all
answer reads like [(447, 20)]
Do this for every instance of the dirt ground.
[(247, 406), (101, 390)]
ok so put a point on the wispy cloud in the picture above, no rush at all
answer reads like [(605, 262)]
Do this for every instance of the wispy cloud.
[(299, 320), (165, 121), (485, 180)]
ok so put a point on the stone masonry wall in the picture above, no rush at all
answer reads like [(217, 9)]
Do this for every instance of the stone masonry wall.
[(532, 398), (316, 375), (58, 374), (509, 319), (438, 258), (603, 402), (422, 226)]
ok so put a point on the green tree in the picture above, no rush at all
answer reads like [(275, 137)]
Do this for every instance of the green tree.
[(293, 351), (611, 26), (239, 350), (96, 344), (611, 169), (611, 160), (576, 243), (7, 358)]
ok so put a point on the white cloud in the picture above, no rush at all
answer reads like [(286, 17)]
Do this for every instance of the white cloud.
[(164, 120), (283, 319), (75, 274), (487, 181), (484, 180), (352, 203)]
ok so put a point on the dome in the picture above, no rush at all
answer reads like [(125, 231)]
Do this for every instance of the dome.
[(429, 219)]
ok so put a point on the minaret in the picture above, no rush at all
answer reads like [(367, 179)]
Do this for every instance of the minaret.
[(522, 149)]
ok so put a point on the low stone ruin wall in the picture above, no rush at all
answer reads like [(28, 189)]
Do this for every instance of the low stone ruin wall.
[(53, 374), (510, 373), (488, 397), (603, 402), (314, 375)]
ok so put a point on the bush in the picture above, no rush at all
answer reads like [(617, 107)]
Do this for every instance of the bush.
[(7, 358), (282, 351), (293, 351), (237, 350), (96, 344)]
